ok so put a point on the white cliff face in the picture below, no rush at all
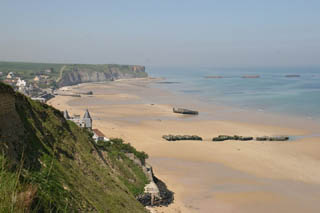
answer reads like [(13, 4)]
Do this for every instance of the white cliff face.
[(83, 75)]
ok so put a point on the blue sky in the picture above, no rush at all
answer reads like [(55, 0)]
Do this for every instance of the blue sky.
[(216, 33)]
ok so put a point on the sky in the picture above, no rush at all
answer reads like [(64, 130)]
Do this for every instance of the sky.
[(207, 33)]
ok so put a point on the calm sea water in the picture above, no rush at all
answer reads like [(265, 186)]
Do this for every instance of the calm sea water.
[(272, 92)]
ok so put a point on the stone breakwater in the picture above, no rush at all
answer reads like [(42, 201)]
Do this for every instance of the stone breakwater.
[(235, 137), (277, 138), (182, 137), (249, 138), (221, 138)]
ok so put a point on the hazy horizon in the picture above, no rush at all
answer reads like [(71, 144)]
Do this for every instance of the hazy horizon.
[(167, 33)]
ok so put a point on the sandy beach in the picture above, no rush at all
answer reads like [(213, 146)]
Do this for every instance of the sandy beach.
[(229, 176)]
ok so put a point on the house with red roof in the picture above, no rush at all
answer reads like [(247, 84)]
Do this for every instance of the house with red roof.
[(98, 135)]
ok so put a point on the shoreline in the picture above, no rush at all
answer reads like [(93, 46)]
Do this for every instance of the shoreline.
[(225, 112), (207, 109), (141, 114)]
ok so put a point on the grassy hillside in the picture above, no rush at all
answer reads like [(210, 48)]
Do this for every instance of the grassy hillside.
[(48, 164)]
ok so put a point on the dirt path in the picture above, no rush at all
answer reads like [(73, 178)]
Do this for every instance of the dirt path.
[(61, 72)]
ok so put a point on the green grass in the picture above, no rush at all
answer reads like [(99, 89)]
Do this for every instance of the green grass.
[(8, 187), (63, 166), (118, 145), (130, 173)]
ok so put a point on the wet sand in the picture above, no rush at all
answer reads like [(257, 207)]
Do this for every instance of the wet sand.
[(212, 187), (205, 176)]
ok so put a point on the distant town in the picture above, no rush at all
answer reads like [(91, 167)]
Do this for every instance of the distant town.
[(39, 88), (41, 81)]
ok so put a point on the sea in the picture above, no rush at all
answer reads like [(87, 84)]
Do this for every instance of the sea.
[(286, 91)]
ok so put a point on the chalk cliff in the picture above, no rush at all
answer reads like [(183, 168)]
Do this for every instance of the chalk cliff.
[(96, 73), (71, 74)]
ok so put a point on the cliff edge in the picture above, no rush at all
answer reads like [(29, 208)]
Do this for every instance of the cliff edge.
[(59, 75), (49, 164), (75, 74)]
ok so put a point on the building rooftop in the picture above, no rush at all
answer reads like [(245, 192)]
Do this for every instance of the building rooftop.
[(98, 133), (87, 114)]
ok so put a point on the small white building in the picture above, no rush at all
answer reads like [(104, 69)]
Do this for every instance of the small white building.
[(85, 122), (42, 100), (99, 136), (21, 83)]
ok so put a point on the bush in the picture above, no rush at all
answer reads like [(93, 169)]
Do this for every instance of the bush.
[(117, 144)]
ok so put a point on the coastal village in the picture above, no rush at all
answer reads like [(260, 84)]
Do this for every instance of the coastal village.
[(39, 88)]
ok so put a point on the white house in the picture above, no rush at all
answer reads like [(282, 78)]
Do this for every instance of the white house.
[(21, 83), (42, 100), (98, 135), (85, 122)]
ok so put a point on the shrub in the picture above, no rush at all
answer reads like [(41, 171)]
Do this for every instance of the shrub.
[(118, 145)]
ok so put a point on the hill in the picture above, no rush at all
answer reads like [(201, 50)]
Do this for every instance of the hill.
[(70, 74), (49, 164)]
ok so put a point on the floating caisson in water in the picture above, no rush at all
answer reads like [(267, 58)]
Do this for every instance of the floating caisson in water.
[(185, 111)]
